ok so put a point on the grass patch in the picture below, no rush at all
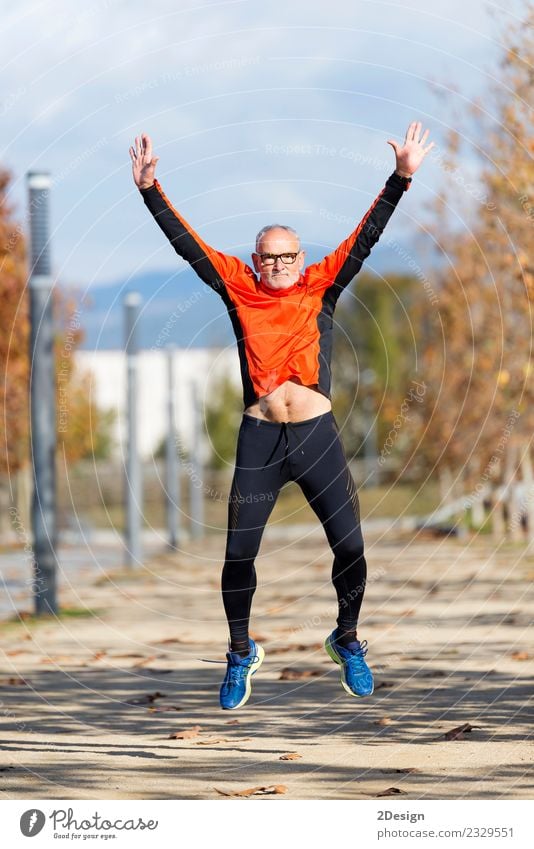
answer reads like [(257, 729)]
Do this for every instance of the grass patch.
[(24, 617)]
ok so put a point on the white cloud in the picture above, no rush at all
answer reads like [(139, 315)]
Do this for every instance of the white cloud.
[(214, 83)]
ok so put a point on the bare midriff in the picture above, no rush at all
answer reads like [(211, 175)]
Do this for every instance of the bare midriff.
[(290, 402)]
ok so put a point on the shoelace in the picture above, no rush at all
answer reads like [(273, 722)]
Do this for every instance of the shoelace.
[(358, 654), (235, 670)]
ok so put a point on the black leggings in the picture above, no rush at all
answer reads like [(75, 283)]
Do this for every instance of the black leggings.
[(269, 454)]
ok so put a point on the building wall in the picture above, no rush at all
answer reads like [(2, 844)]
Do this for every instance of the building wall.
[(200, 367)]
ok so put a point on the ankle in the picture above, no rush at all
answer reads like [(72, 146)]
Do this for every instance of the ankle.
[(344, 637), (240, 647)]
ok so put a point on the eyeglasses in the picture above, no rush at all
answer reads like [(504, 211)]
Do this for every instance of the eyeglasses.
[(270, 259)]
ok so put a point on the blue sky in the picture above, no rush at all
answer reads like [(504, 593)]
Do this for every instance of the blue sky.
[(259, 111)]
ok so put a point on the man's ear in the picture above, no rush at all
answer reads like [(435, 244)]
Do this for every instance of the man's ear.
[(256, 262), (302, 256)]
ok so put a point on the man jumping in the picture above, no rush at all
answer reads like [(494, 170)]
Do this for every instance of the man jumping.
[(282, 318)]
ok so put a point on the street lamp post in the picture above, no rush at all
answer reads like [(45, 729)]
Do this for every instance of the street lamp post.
[(42, 397), (133, 484)]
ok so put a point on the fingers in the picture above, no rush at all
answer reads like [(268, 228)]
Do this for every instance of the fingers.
[(147, 145), (410, 131), (141, 151), (414, 131)]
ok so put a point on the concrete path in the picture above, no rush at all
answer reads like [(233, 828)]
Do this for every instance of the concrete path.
[(89, 704)]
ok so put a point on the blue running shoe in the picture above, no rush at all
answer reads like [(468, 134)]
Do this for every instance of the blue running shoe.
[(356, 677), (236, 687)]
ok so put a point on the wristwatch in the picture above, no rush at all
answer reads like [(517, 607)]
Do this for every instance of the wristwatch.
[(407, 180)]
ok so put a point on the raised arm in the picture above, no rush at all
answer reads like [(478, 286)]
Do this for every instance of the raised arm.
[(213, 267), (339, 267)]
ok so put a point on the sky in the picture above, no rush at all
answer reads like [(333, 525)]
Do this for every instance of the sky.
[(260, 112)]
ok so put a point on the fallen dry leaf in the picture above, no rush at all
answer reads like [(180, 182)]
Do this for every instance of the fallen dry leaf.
[(391, 791), (146, 660), (163, 708), (13, 682), (126, 654), (291, 756), (146, 699), (288, 674), (167, 640), (194, 731), (520, 655), (408, 769), (386, 720), (274, 789), (212, 740), (308, 647), (458, 732), (232, 722)]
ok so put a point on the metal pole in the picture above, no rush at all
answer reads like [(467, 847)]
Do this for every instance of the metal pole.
[(42, 397), (196, 479), (133, 484), (172, 479)]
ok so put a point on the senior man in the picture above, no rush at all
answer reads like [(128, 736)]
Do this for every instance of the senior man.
[(282, 316)]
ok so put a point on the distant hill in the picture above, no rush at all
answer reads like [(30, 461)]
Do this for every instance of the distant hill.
[(177, 308)]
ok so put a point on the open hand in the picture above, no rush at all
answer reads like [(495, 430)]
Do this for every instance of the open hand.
[(413, 151), (143, 163)]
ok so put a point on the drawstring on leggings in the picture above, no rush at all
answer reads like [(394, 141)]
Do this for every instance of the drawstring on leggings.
[(284, 432)]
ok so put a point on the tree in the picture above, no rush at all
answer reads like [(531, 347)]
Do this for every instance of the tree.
[(222, 418), (83, 429), (374, 360), (14, 339), (477, 354), (88, 428)]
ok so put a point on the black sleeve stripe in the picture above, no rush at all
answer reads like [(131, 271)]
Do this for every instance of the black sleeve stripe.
[(181, 237), (371, 230)]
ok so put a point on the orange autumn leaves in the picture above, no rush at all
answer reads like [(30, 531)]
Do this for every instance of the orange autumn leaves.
[(84, 418)]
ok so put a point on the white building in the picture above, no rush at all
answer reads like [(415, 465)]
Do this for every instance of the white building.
[(203, 368)]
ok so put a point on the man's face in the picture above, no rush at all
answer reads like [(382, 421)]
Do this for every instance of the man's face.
[(280, 274)]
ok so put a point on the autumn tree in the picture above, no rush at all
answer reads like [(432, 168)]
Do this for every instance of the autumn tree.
[(375, 359), (14, 339), (88, 427), (477, 424)]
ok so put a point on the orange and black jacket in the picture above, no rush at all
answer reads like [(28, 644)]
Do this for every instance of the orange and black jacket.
[(286, 332)]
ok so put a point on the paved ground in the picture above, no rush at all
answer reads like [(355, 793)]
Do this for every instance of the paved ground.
[(88, 704)]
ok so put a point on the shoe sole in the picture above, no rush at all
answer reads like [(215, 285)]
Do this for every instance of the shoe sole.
[(252, 671), (332, 654)]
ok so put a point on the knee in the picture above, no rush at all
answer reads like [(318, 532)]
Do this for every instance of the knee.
[(240, 550), (351, 549)]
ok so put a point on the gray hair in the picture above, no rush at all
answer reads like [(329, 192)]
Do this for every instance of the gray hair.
[(268, 227)]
